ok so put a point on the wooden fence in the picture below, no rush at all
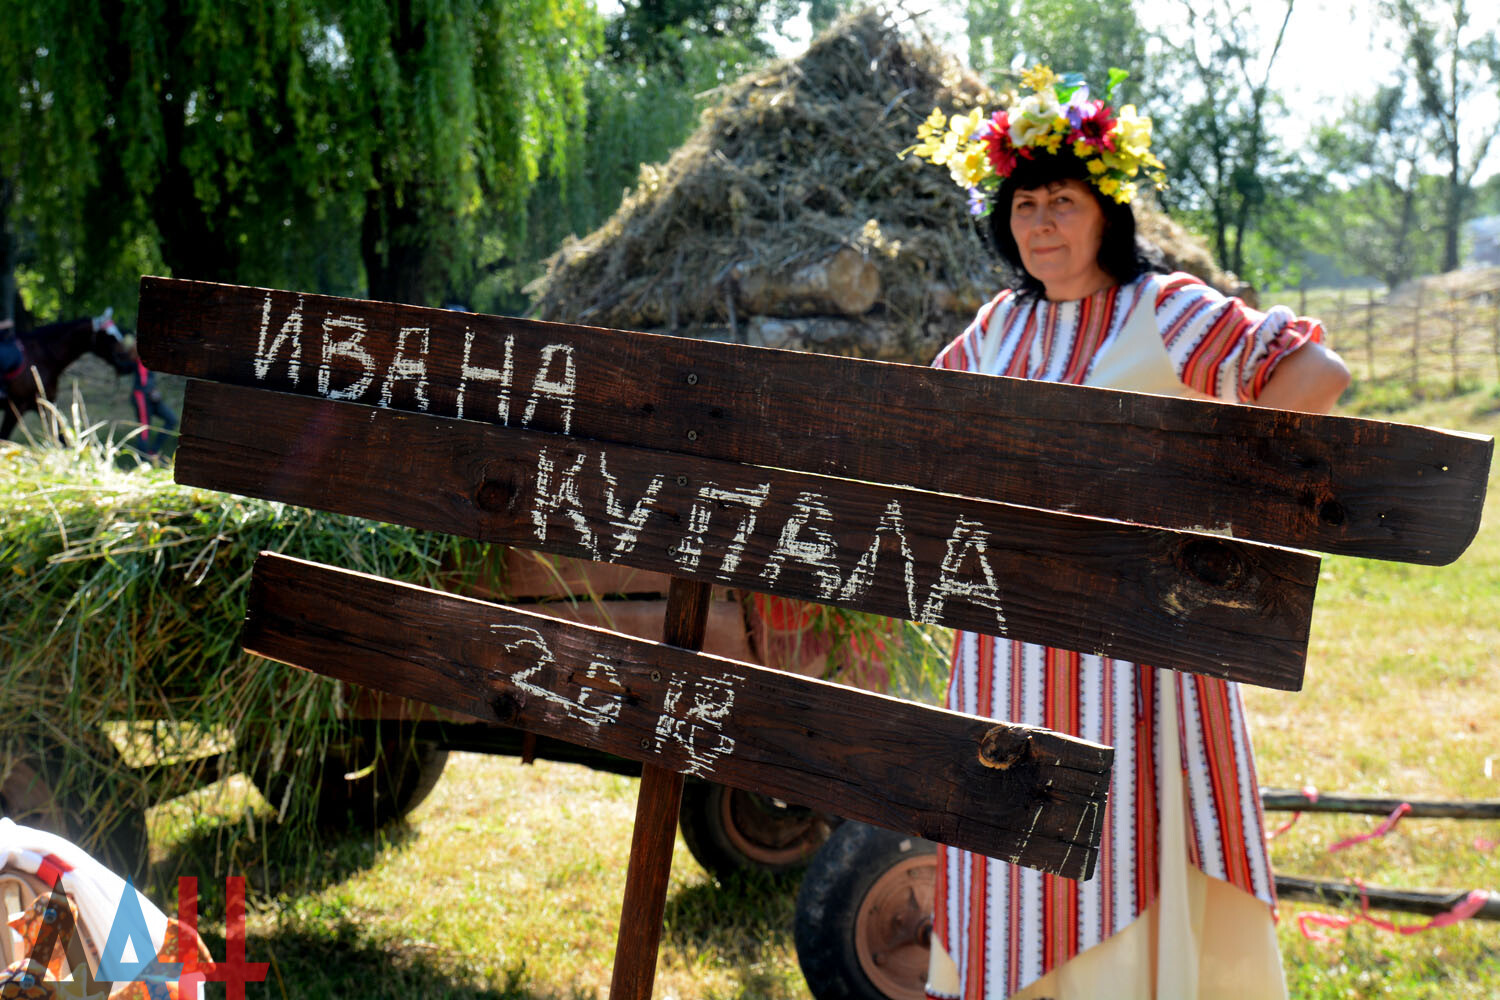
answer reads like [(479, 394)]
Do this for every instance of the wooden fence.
[(1435, 335)]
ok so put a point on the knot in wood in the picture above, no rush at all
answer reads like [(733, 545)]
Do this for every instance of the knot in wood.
[(1332, 512), (495, 496), (1002, 747), (1214, 562), (507, 707)]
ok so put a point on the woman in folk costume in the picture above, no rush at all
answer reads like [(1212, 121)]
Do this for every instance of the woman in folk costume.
[(1181, 904)]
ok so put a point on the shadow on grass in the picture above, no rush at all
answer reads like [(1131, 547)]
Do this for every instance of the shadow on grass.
[(274, 859), (739, 921), (750, 903), (334, 961), (322, 952)]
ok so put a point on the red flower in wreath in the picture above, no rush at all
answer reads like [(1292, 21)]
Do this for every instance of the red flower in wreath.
[(1093, 124), (998, 147)]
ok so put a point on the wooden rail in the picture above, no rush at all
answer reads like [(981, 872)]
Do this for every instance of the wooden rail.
[(1289, 800), (1429, 902), (1199, 603), (1334, 484), (1009, 791)]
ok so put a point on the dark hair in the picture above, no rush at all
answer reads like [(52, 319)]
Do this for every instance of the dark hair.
[(1122, 254)]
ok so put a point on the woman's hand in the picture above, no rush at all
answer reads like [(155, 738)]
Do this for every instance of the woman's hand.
[(1310, 379)]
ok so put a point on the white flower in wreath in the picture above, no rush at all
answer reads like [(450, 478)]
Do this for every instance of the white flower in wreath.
[(1033, 118)]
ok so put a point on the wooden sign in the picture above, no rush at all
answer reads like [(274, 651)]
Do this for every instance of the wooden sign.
[(1334, 484), (944, 497), (1013, 792), (1194, 602)]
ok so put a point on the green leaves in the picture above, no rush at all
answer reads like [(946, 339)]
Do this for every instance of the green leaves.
[(1117, 76), (357, 148), (1068, 85), (1085, 36)]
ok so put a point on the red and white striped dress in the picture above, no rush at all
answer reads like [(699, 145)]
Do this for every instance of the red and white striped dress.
[(1006, 926)]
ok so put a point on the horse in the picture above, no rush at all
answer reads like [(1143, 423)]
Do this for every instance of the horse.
[(48, 351)]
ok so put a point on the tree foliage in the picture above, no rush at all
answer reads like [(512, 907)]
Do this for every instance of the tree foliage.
[(460, 104), (1226, 167), (1486, 199), (53, 113), (663, 64), (1087, 36), (637, 114), (304, 143), (1451, 65), (651, 32), (1380, 212), (655, 33)]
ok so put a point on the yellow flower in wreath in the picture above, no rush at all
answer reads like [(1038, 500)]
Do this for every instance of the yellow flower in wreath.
[(1039, 77)]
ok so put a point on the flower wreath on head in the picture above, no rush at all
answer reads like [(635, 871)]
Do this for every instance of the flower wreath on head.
[(980, 152)]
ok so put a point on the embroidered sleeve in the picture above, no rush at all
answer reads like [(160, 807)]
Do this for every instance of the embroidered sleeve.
[(964, 352), (1220, 345)]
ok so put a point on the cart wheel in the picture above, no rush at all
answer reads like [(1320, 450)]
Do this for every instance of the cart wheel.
[(863, 928), (367, 777), (37, 790), (732, 832)]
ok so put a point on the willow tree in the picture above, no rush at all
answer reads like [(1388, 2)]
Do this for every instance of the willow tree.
[(341, 146), (49, 110), (451, 108)]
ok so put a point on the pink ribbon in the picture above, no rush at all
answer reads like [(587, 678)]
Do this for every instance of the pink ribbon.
[(1386, 826), (1470, 905), (1312, 796)]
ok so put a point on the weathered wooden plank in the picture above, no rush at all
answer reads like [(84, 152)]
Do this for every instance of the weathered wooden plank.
[(1334, 484), (1194, 602), (1013, 792)]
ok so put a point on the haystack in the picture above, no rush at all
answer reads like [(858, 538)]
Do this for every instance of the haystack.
[(788, 220)]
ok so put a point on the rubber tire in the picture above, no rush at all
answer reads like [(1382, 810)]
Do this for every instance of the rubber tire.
[(844, 873), (392, 780), (731, 832), (28, 796)]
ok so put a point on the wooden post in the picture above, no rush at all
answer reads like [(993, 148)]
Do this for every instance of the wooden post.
[(1342, 323), (1495, 306), (1370, 333), (655, 830), (1455, 328), (1416, 341)]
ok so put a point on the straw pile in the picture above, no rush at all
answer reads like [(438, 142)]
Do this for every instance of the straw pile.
[(120, 608), (788, 220)]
